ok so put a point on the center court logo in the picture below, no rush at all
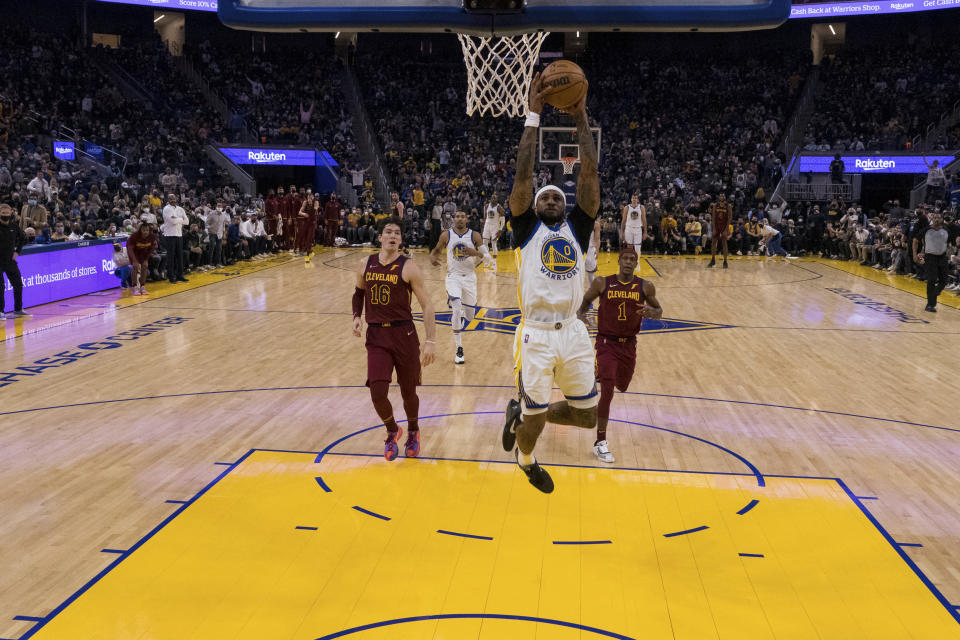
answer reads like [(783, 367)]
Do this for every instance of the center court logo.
[(559, 258), (263, 156)]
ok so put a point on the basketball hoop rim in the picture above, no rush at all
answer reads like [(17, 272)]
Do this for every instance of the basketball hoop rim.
[(569, 162)]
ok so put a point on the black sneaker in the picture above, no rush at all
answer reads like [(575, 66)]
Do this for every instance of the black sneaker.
[(458, 359), (712, 262), (537, 475), (725, 264), (513, 419), (20, 314), (930, 308)]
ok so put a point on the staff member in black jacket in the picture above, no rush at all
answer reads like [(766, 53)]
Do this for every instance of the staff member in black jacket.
[(11, 242)]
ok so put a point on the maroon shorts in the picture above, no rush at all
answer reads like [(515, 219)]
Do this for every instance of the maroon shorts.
[(616, 360), (394, 347)]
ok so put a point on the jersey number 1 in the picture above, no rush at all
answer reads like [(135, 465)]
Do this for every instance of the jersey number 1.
[(623, 311)]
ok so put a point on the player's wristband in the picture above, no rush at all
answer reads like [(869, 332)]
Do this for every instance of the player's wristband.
[(533, 119), (430, 341)]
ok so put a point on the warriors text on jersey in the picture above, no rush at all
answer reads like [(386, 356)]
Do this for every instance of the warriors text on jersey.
[(386, 295), (550, 265), (618, 315), (458, 262)]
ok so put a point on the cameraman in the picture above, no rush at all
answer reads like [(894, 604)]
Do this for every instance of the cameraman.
[(11, 242)]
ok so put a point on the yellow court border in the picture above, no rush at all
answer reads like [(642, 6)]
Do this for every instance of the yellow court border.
[(357, 606)]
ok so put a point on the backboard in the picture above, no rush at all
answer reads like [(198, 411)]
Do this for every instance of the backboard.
[(546, 15), (558, 142)]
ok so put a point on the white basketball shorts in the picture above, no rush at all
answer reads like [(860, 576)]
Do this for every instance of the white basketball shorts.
[(489, 231), (633, 236), (544, 356), (464, 287)]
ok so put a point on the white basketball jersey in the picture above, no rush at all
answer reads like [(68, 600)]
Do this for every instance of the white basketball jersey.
[(635, 216), (458, 262), (550, 274), (492, 216)]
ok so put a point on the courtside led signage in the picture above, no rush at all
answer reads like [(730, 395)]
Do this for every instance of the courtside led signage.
[(873, 164), (196, 5)]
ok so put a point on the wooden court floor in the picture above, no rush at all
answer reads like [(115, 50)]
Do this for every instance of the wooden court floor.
[(205, 463)]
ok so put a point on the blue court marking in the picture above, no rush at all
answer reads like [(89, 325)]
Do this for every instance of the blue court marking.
[(370, 513), (473, 386), (750, 555), (175, 501), (120, 551), (685, 531), (884, 284), (582, 542), (750, 505), (463, 535), (650, 264), (909, 544), (756, 472), (475, 616), (79, 592), (27, 619), (867, 498), (306, 528), (903, 554), (226, 464), (323, 485)]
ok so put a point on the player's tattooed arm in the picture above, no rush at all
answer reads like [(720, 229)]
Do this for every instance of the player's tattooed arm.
[(594, 291), (651, 306), (522, 194), (588, 184)]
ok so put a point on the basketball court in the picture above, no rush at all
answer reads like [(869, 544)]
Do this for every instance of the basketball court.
[(786, 468)]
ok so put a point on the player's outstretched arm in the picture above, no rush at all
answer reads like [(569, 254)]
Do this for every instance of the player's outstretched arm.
[(588, 184), (594, 291), (651, 306), (441, 243), (413, 275), (522, 194)]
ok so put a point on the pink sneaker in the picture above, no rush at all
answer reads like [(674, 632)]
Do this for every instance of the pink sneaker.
[(390, 447)]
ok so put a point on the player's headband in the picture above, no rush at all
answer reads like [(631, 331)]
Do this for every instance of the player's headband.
[(549, 187), (628, 250)]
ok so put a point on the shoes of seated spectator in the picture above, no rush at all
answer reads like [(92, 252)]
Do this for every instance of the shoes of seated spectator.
[(602, 451), (390, 447), (739, 253), (877, 266), (459, 359), (412, 447)]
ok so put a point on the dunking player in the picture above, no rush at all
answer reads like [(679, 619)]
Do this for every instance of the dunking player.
[(721, 228), (625, 300), (633, 224), (493, 218), (552, 344), (463, 246), (383, 290)]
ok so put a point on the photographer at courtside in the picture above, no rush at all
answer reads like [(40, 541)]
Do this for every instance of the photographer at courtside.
[(11, 242)]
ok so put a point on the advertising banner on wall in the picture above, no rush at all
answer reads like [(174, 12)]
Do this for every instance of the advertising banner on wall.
[(64, 273), (873, 163)]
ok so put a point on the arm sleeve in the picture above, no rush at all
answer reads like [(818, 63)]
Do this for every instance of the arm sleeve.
[(582, 226), (357, 302), (523, 226)]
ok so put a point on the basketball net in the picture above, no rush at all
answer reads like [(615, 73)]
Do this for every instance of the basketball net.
[(568, 164), (499, 71)]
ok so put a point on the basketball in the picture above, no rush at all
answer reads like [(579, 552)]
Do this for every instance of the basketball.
[(564, 83)]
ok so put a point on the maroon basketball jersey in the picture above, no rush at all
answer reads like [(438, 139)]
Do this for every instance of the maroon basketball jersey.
[(618, 315), (387, 297)]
